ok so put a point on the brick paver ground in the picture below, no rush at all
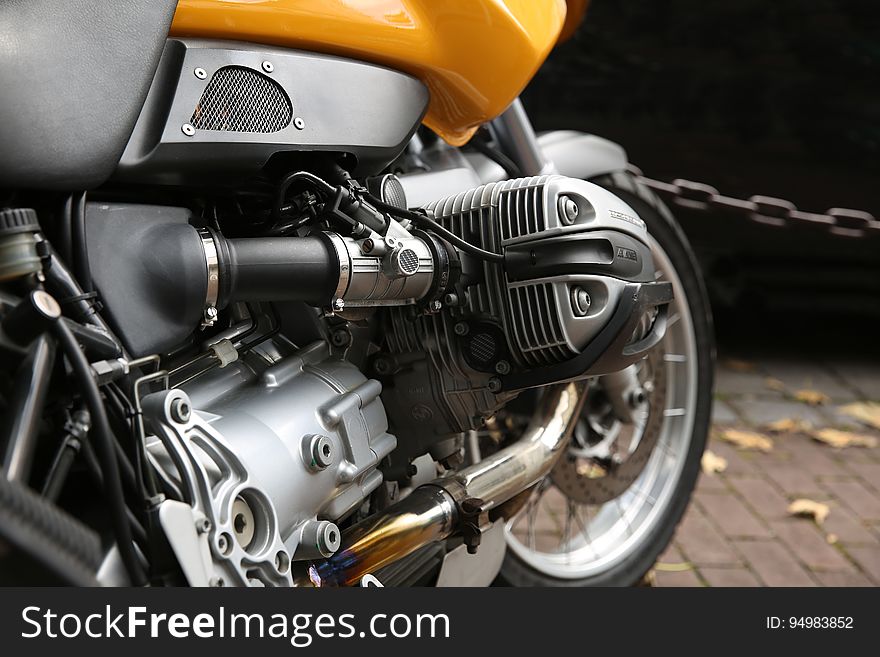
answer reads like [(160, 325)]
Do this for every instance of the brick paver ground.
[(737, 531)]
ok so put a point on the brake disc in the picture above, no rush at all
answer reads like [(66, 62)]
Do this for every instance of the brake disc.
[(606, 454)]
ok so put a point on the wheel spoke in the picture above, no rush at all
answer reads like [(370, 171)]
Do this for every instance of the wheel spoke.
[(667, 448), (570, 511), (623, 515), (645, 496), (532, 507), (584, 531), (532, 516)]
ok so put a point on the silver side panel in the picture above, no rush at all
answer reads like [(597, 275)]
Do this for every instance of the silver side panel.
[(574, 154), (579, 155)]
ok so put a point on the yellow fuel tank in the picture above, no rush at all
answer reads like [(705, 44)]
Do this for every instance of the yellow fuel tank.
[(475, 56)]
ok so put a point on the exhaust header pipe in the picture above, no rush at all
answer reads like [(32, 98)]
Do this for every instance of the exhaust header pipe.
[(435, 511)]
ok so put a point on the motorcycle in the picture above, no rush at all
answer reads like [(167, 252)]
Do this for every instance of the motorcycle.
[(294, 295)]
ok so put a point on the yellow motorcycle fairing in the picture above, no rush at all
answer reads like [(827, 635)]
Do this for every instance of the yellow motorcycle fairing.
[(475, 56)]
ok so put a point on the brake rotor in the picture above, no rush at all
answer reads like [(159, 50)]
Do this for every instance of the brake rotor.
[(606, 455)]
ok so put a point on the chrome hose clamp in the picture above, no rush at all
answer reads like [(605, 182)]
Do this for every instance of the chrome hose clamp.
[(212, 262), (344, 265)]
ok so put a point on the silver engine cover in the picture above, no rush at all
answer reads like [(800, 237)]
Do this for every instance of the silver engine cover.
[(270, 457)]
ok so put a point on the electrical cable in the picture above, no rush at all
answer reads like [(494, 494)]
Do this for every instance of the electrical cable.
[(106, 452), (510, 167), (427, 222), (78, 243), (285, 184)]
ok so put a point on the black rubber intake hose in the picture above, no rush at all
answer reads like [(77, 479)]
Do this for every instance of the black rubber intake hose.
[(278, 269)]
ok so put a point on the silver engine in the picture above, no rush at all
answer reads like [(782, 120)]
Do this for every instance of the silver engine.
[(275, 444), (574, 297), (265, 453)]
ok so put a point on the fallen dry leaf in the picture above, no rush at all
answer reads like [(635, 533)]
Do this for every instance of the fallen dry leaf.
[(673, 567), (747, 439), (841, 439), (789, 425), (809, 509), (712, 463), (812, 397), (866, 412), (589, 469), (774, 384), (832, 539), (739, 365)]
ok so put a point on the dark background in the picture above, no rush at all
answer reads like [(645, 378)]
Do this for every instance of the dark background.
[(771, 97)]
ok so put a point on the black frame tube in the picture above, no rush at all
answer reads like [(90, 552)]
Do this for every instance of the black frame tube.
[(22, 422)]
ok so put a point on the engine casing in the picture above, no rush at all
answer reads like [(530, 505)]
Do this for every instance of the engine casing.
[(574, 296), (291, 442)]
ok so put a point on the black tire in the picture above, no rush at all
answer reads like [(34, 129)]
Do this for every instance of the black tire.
[(664, 228)]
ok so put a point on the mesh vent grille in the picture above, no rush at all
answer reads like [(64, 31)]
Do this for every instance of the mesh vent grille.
[(483, 347), (409, 261), (239, 99)]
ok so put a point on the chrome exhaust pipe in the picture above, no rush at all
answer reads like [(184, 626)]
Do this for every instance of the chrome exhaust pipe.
[(433, 512)]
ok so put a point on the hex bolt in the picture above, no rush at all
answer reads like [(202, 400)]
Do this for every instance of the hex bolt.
[(200, 73), (382, 365), (180, 409), (217, 582), (319, 452), (568, 210), (368, 245), (244, 522), (268, 66), (502, 367), (320, 538), (462, 328), (494, 384), (203, 526), (451, 299), (338, 305), (188, 130), (340, 337), (638, 397), (298, 123), (210, 315), (435, 306), (329, 538), (223, 543), (580, 301)]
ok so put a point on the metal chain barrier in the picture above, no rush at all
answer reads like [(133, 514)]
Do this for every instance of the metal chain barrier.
[(766, 210)]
